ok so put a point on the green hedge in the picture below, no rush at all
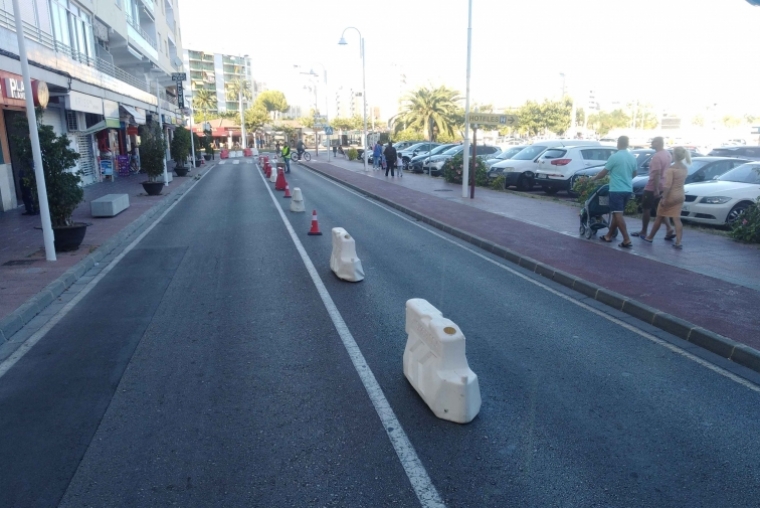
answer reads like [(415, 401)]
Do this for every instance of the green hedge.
[(747, 228), (352, 154), (452, 171)]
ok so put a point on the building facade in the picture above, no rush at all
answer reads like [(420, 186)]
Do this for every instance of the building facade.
[(103, 63), (215, 73)]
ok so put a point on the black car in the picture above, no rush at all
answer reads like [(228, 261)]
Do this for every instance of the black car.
[(415, 164), (701, 169), (751, 153)]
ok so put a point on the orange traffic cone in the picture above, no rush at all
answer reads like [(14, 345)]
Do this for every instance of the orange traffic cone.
[(287, 191), (267, 170), (280, 184), (314, 224)]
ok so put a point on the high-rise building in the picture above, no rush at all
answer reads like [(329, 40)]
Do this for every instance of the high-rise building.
[(216, 72), (103, 63)]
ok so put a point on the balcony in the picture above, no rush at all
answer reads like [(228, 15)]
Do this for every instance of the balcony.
[(150, 5), (143, 40)]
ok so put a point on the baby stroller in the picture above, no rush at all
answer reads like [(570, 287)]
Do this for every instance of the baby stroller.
[(596, 214)]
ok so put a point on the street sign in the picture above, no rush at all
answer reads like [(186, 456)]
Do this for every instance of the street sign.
[(328, 130), (179, 76), (320, 119), (493, 119), (180, 95)]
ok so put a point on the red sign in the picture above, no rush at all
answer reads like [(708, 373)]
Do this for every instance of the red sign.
[(13, 93)]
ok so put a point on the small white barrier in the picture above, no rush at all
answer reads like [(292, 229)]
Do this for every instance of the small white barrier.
[(344, 261), (273, 177), (296, 202), (436, 366)]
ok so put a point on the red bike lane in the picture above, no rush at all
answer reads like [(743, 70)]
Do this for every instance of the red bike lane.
[(718, 306)]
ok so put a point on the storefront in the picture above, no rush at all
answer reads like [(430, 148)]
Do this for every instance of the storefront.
[(14, 130), (84, 119)]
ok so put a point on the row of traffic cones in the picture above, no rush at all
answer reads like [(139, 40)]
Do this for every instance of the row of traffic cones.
[(281, 184)]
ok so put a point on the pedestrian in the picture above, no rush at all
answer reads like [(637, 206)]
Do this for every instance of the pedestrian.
[(673, 195), (653, 191), (377, 153), (340, 150), (277, 146), (390, 158), (335, 151), (621, 167), (286, 156)]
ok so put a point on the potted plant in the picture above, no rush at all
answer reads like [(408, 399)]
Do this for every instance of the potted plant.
[(152, 152), (180, 149), (63, 186)]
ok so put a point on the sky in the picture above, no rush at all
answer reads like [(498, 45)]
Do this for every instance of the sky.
[(680, 56)]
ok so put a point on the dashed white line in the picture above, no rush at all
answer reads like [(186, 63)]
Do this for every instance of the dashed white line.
[(705, 363), (415, 471)]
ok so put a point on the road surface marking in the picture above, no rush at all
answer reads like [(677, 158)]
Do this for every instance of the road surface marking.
[(705, 363), (415, 471), (235, 162), (29, 343)]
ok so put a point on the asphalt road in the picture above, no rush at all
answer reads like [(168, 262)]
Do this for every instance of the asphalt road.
[(204, 370)]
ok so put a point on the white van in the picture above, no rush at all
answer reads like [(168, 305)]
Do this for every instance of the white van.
[(520, 170)]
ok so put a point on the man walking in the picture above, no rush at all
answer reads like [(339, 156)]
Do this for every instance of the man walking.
[(286, 156), (621, 167), (377, 154), (653, 190), (390, 158)]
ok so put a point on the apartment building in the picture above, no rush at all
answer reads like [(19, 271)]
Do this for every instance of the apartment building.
[(215, 72), (102, 63)]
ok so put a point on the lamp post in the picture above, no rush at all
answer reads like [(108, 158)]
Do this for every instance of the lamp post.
[(466, 153), (161, 125), (343, 42), (327, 102), (39, 174)]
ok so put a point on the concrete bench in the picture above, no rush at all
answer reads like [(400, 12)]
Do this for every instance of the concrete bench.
[(109, 205)]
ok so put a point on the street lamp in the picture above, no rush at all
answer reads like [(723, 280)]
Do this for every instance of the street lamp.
[(316, 105), (343, 42)]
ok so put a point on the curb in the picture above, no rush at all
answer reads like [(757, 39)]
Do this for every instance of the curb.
[(14, 321), (723, 346)]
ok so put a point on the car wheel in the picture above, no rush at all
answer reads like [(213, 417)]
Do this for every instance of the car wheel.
[(524, 183), (551, 191), (736, 212)]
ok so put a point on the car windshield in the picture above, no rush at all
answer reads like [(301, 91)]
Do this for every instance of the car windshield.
[(697, 165), (453, 151), (413, 147), (529, 153), (746, 173), (439, 149), (508, 154)]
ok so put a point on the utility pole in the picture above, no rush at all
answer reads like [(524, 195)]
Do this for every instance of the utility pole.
[(466, 154), (34, 135), (161, 126)]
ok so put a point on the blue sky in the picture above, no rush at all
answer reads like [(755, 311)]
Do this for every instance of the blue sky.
[(676, 54)]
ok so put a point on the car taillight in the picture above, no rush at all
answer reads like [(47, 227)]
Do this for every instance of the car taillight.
[(561, 162)]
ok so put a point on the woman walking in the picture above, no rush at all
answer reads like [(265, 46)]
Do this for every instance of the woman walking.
[(673, 195)]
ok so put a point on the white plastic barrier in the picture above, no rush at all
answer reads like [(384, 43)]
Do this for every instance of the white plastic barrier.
[(273, 178), (344, 261), (436, 366), (296, 202)]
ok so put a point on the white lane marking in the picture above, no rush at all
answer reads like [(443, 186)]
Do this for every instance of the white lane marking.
[(235, 162), (24, 348), (705, 363), (415, 471)]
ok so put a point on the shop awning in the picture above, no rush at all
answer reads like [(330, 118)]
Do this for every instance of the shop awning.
[(137, 114)]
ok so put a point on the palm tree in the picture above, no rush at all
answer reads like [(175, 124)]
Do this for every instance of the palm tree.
[(204, 100), (430, 110)]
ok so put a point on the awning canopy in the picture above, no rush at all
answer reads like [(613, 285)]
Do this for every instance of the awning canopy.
[(137, 114)]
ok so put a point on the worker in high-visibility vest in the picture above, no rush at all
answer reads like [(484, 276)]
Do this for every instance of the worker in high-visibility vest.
[(286, 156)]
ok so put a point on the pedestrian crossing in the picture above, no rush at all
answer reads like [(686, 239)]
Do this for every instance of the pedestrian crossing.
[(234, 162)]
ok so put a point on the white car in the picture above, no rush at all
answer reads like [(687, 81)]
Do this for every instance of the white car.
[(557, 166), (723, 200), (507, 153), (520, 169)]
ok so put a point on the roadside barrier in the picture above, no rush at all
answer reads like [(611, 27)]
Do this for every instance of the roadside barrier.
[(275, 173), (296, 205), (343, 260), (314, 224), (436, 366)]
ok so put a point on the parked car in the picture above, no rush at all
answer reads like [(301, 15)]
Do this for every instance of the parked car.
[(506, 154), (557, 166), (519, 171), (740, 152), (644, 157), (401, 145), (416, 163), (434, 165), (724, 200), (405, 155), (702, 169)]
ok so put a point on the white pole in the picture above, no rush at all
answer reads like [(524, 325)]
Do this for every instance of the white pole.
[(327, 113), (466, 155), (364, 96), (192, 134), (161, 125), (242, 117), (39, 174)]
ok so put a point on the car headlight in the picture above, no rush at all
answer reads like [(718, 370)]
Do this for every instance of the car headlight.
[(715, 200), (508, 170)]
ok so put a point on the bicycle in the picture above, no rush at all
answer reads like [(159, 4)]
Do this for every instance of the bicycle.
[(305, 156)]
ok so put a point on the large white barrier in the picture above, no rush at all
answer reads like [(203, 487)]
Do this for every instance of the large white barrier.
[(436, 366), (344, 261), (296, 202)]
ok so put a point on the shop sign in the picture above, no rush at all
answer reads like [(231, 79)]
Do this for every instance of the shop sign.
[(13, 88), (76, 101)]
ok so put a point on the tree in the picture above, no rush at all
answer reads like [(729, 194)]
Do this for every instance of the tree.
[(731, 122), (273, 101), (180, 146), (204, 100), (234, 89), (430, 110), (345, 124), (604, 121), (256, 117), (407, 135), (698, 120)]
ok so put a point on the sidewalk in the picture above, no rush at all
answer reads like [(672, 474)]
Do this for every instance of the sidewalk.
[(24, 272), (712, 284)]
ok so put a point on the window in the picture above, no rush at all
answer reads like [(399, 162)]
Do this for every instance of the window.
[(72, 27), (597, 154), (555, 153), (529, 153), (746, 173)]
